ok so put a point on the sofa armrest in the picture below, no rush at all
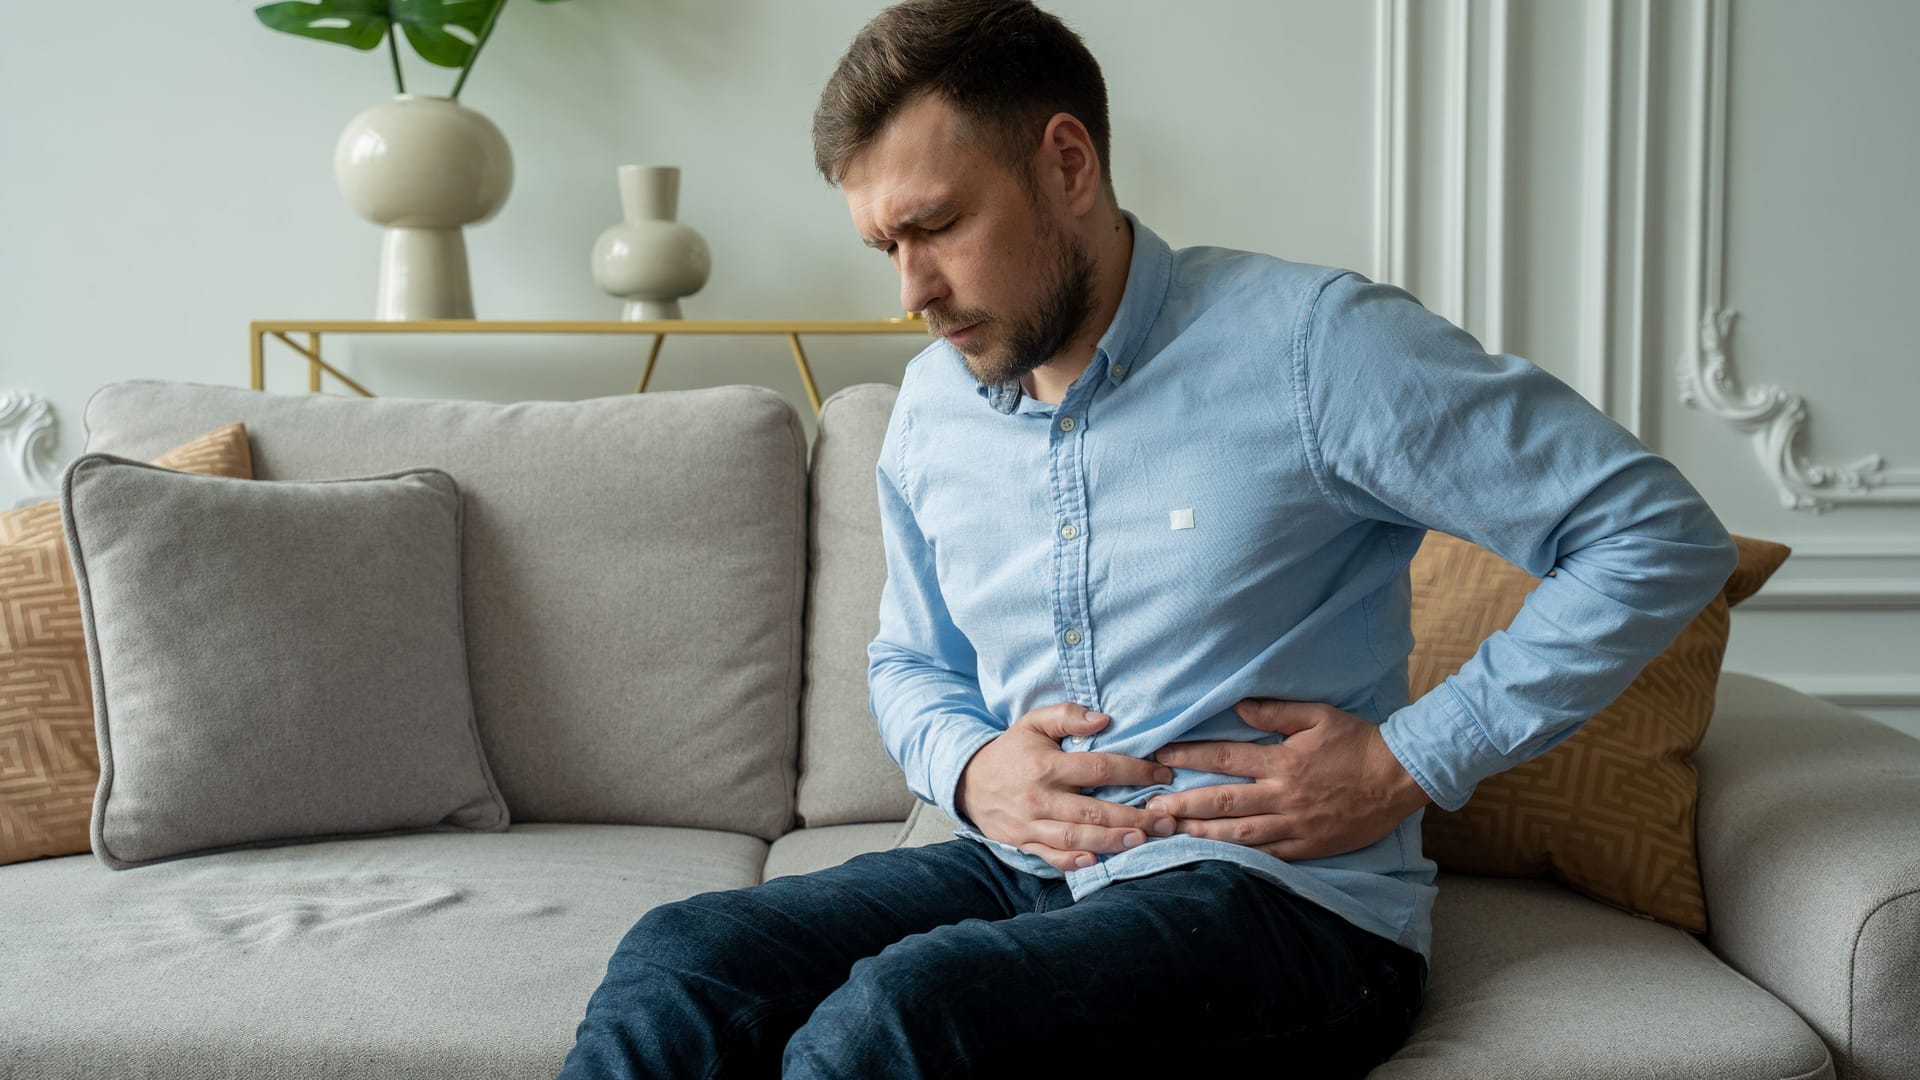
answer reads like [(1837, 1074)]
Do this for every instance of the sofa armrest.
[(1809, 832)]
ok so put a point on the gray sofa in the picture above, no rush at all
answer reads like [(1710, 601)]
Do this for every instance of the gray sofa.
[(667, 607)]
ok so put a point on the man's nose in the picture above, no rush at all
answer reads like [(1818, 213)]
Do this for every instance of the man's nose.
[(920, 280)]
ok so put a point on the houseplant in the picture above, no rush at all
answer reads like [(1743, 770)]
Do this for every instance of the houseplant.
[(422, 166)]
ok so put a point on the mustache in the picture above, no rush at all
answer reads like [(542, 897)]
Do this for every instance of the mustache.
[(940, 323)]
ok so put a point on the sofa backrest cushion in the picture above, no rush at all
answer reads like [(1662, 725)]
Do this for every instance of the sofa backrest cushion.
[(845, 774), (632, 574)]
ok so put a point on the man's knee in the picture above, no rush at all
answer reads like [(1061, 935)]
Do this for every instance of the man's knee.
[(685, 936), (913, 1005)]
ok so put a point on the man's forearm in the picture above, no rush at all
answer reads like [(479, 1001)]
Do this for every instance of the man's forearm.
[(1582, 636)]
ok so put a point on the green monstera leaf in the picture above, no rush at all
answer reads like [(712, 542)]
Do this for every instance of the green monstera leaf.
[(359, 23), (445, 33)]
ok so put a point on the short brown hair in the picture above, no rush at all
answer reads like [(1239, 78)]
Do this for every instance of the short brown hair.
[(1004, 65)]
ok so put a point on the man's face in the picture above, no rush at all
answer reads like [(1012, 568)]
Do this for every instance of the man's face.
[(994, 269)]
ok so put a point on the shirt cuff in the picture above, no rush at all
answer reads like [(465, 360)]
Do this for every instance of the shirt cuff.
[(1442, 746), (947, 765)]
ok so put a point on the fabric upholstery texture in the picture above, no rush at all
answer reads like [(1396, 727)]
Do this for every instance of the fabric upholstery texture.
[(49, 766), (845, 774), (272, 662), (1532, 982), (1610, 811), (928, 824), (806, 850), (1808, 814), (426, 955), (634, 578)]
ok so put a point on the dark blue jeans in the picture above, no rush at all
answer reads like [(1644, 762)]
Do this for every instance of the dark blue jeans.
[(943, 961)]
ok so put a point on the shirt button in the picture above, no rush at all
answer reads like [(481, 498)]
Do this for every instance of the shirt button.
[(1066, 423), (1078, 741), (1068, 532), (1119, 372), (1073, 637)]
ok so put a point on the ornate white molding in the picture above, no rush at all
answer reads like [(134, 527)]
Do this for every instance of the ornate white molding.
[(1453, 243), (1595, 318), (1870, 691), (1494, 288), (1837, 594), (1773, 417), (29, 430), (1776, 420), (1390, 99)]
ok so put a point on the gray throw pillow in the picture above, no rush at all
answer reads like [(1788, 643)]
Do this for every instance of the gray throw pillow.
[(273, 662)]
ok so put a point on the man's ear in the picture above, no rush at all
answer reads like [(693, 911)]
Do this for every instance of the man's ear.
[(1069, 162)]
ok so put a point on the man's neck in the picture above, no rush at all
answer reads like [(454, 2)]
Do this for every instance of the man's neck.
[(1113, 256)]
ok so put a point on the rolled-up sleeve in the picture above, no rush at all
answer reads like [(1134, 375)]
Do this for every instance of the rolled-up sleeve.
[(1409, 421), (922, 672)]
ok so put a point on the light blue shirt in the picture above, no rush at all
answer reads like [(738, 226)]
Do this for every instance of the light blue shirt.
[(1224, 506)]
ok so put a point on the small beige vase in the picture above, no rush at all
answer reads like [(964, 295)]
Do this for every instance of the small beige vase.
[(649, 259), (423, 167)]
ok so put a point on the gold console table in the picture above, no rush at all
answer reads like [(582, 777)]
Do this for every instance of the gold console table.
[(286, 329)]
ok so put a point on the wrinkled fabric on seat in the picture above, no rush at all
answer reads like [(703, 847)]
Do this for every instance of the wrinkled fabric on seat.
[(425, 955)]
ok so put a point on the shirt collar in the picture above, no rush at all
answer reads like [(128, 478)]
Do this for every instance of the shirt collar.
[(1148, 274)]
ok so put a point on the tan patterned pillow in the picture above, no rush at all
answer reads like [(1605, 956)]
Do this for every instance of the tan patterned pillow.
[(1609, 811), (49, 765)]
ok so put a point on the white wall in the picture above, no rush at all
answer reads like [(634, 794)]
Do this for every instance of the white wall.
[(1577, 181)]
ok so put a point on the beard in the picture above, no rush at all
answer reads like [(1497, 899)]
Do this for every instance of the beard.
[(1031, 338)]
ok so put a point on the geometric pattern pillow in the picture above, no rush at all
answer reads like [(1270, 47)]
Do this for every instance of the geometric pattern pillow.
[(49, 766), (1610, 811)]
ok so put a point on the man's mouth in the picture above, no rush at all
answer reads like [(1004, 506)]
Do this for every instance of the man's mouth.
[(960, 334)]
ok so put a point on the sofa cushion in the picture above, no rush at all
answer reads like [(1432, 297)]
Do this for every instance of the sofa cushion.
[(845, 774), (421, 955), (633, 578), (1533, 982), (1610, 811), (272, 661), (1530, 981), (49, 766), (805, 850)]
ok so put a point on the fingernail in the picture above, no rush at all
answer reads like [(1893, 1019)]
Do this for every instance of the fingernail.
[(1130, 840), (1158, 806), (1163, 827), (1083, 861), (1098, 716), (1163, 776)]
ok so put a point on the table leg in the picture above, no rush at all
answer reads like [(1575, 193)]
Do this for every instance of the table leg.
[(313, 363), (652, 355), (256, 358), (806, 373)]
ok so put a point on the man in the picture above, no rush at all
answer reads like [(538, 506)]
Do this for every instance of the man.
[(1147, 518)]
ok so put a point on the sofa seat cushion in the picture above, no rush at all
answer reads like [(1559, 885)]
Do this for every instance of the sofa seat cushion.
[(803, 851), (430, 954), (1532, 981)]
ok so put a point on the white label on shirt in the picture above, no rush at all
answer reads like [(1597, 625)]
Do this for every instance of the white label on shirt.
[(1180, 519)]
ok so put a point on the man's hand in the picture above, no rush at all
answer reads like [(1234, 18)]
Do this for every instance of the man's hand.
[(1022, 789), (1331, 788)]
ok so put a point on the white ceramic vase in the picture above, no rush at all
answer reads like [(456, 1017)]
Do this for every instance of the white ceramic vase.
[(423, 167), (649, 259)]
